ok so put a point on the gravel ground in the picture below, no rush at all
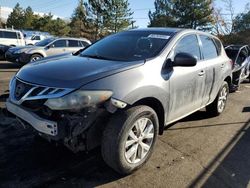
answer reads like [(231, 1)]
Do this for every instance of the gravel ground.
[(198, 151)]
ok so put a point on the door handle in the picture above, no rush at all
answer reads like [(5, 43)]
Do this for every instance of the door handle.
[(201, 73), (222, 65)]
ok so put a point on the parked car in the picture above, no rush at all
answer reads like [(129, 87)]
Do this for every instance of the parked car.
[(122, 91), (3, 50), (44, 48), (34, 39), (240, 55), (11, 37)]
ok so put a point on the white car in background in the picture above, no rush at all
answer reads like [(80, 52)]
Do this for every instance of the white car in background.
[(11, 37), (34, 39)]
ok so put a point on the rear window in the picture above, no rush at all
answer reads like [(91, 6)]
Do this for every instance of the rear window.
[(209, 49)]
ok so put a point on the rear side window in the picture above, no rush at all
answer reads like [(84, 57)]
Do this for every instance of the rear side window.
[(208, 47), (74, 43), (83, 43), (218, 46), (189, 44)]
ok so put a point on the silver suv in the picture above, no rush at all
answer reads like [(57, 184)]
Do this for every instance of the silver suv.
[(121, 91), (45, 48)]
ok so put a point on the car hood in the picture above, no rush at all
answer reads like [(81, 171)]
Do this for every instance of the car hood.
[(24, 48), (71, 71)]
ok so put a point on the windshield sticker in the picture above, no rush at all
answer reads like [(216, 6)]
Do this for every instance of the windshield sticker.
[(156, 36)]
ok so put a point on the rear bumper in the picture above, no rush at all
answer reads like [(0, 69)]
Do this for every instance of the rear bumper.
[(42, 125)]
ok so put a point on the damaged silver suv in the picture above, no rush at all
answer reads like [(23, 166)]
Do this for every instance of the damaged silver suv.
[(121, 91)]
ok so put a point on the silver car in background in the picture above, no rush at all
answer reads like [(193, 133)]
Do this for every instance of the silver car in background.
[(45, 48)]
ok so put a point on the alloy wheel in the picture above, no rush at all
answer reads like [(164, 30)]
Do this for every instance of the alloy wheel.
[(139, 140), (222, 99)]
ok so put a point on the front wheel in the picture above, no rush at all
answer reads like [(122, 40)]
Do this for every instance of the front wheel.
[(35, 57), (219, 104), (129, 139)]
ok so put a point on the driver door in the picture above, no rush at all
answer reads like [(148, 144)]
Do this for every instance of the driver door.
[(187, 84)]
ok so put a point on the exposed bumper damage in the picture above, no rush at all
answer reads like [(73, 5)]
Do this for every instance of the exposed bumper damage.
[(79, 131)]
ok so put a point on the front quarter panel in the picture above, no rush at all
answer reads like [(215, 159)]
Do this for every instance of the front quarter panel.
[(135, 84)]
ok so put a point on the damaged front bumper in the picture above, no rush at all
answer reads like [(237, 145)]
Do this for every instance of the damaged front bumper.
[(42, 125)]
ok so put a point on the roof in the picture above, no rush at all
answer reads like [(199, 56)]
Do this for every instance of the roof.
[(11, 30)]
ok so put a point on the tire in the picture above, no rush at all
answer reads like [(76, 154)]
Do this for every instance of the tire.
[(35, 57), (219, 104), (116, 135)]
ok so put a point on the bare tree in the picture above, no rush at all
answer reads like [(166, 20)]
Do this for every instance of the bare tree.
[(224, 22)]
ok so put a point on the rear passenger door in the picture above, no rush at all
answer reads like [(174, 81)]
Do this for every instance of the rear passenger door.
[(214, 65), (186, 83)]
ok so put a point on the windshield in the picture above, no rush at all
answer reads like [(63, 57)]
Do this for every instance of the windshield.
[(129, 46), (44, 42)]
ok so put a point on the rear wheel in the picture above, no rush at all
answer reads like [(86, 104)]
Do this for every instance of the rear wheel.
[(219, 104), (129, 139), (35, 57)]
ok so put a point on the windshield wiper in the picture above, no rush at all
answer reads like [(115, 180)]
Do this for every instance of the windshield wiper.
[(97, 57)]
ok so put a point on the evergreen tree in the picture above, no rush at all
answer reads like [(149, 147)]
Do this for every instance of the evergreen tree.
[(195, 14), (118, 15), (28, 18), (79, 23), (16, 17), (242, 22)]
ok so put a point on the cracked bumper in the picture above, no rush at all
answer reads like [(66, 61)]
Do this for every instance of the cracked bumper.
[(42, 125)]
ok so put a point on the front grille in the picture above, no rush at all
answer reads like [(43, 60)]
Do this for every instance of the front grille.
[(21, 91)]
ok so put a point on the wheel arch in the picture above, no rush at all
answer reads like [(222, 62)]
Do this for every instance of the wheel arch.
[(228, 79), (37, 53), (157, 106)]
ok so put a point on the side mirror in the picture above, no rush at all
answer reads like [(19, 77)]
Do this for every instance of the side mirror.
[(184, 60)]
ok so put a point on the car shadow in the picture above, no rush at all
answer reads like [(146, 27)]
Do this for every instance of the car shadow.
[(27, 160), (230, 167), (9, 65)]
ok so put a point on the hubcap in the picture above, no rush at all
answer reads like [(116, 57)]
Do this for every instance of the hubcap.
[(35, 58), (222, 99), (139, 140)]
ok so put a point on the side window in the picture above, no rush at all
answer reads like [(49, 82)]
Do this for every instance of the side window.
[(189, 44), (73, 43), (37, 37), (208, 47), (9, 34), (1, 34), (59, 44)]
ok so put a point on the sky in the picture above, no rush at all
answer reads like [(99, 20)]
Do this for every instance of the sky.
[(64, 8)]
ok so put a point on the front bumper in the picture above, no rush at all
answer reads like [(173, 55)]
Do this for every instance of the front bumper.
[(21, 58), (40, 124)]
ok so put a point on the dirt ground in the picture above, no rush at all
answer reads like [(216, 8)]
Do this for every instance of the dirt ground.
[(198, 151)]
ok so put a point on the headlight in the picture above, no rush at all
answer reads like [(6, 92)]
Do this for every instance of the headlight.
[(78, 99)]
